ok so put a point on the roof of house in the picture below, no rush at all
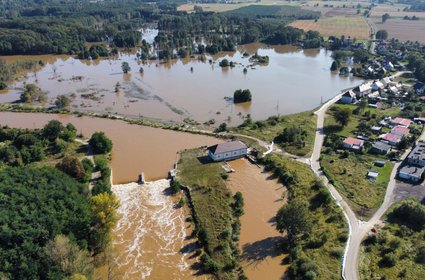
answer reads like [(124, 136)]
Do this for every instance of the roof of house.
[(373, 174), (353, 141), (400, 129), (401, 121), (376, 128), (379, 84), (381, 146), (412, 170), (364, 87), (349, 94), (418, 153), (392, 137), (386, 80), (227, 147)]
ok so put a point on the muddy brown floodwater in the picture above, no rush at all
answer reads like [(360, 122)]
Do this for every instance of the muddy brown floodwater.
[(136, 148), (259, 240), (294, 80)]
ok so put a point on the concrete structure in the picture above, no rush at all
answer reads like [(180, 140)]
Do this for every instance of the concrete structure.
[(353, 143), (411, 173), (417, 155), (227, 151), (348, 97), (381, 148)]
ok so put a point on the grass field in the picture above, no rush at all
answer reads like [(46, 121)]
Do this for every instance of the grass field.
[(355, 26), (269, 129), (220, 7), (349, 176), (211, 201), (402, 244), (404, 30)]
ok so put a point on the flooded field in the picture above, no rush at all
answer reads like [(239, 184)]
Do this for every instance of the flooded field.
[(151, 239), (294, 80), (136, 148), (259, 240)]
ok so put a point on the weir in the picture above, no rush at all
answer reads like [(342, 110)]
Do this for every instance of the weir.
[(141, 179)]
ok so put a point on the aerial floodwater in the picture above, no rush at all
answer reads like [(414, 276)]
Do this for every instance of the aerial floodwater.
[(294, 80), (260, 243)]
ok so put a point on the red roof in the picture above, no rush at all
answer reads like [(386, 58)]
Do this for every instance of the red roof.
[(400, 129), (402, 121), (392, 137), (353, 141)]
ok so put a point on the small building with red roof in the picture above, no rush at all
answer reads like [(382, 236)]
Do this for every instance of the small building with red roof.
[(401, 122), (400, 130), (353, 143), (392, 139)]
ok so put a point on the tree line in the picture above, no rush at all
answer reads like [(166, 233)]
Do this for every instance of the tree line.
[(52, 224)]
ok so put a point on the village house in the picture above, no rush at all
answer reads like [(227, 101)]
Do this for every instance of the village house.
[(392, 139), (376, 129), (372, 175), (363, 89), (348, 97), (389, 66), (411, 173), (353, 143), (417, 155), (380, 147), (227, 151), (386, 81), (400, 122), (377, 85), (400, 130)]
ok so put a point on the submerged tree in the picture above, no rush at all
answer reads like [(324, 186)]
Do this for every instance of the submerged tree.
[(125, 67)]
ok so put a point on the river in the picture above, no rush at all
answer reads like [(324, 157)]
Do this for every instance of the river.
[(136, 148), (259, 240), (294, 80)]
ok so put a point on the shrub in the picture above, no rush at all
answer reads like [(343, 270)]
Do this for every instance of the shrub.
[(240, 96), (100, 143), (208, 264), (72, 166)]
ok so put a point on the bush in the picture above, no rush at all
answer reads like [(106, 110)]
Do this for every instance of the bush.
[(389, 260), (72, 166), (175, 186), (100, 143), (240, 96), (208, 264)]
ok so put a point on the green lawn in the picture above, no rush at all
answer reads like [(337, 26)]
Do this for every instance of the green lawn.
[(267, 130), (398, 241), (328, 218), (349, 176), (211, 201)]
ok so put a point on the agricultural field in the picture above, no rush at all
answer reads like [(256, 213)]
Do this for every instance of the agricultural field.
[(412, 30), (355, 26), (222, 7), (395, 11)]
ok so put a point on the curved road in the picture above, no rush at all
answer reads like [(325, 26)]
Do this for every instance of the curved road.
[(357, 228)]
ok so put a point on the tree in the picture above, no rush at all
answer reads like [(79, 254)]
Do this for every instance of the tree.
[(100, 143), (382, 35), (68, 256), (125, 67), (32, 94), (224, 63), (62, 101), (342, 116), (222, 127), (141, 70), (104, 208), (385, 17), (294, 218), (360, 55), (73, 167), (335, 65), (238, 204), (242, 96), (52, 130), (3, 85)]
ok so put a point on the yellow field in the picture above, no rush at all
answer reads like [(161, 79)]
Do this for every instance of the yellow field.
[(355, 26)]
